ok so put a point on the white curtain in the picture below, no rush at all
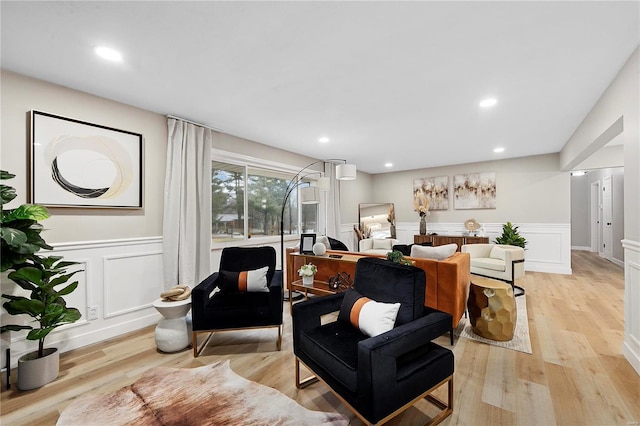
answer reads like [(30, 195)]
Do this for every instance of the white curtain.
[(187, 205), (334, 219)]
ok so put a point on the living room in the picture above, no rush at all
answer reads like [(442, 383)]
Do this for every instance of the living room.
[(121, 250)]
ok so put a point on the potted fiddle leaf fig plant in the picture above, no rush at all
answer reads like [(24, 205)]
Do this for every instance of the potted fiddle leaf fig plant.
[(38, 276)]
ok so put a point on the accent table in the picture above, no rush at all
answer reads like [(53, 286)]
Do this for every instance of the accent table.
[(173, 332), (331, 264), (319, 288), (492, 308)]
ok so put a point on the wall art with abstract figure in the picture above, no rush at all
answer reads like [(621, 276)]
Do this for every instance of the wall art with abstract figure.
[(79, 164), (475, 191), (435, 189)]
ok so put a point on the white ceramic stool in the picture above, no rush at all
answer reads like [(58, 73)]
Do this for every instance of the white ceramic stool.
[(172, 332)]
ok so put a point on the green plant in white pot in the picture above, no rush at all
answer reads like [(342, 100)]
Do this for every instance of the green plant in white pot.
[(38, 276)]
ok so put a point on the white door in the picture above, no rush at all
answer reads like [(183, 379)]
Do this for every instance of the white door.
[(595, 221), (607, 203)]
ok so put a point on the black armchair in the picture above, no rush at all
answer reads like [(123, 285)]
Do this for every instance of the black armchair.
[(248, 294), (377, 377)]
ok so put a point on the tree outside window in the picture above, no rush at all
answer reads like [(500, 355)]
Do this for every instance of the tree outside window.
[(265, 191)]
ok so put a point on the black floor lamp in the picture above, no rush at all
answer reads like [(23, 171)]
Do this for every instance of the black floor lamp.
[(310, 194)]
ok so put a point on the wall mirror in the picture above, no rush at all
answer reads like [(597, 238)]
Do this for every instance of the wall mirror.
[(377, 220)]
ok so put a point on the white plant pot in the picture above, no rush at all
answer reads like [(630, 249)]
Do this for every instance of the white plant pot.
[(308, 281), (35, 372)]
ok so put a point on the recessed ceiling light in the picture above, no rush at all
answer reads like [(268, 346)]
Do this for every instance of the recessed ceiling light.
[(323, 139), (498, 149), (488, 102), (108, 53), (578, 173), (388, 164)]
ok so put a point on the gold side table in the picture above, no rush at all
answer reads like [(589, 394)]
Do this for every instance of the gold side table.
[(492, 308)]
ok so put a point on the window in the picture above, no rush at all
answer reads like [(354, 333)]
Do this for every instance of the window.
[(227, 201), (265, 191)]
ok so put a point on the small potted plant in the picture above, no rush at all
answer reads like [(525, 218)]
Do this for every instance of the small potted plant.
[(397, 257), (307, 273), (510, 236)]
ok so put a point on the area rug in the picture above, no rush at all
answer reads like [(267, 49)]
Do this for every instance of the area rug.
[(208, 395), (520, 342)]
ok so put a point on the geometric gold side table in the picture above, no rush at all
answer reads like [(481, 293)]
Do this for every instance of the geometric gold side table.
[(492, 308)]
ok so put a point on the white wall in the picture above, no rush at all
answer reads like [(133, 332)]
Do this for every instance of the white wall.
[(580, 222), (618, 110), (530, 189), (20, 94)]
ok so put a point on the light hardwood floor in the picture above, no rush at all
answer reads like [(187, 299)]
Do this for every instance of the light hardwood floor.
[(576, 375)]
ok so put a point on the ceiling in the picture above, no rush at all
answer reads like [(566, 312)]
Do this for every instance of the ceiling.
[(395, 82)]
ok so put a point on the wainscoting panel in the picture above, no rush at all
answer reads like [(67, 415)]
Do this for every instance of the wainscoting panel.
[(131, 282), (120, 280), (631, 345), (548, 248)]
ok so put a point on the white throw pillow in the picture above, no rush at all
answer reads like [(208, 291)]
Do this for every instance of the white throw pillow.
[(370, 317), (377, 318), (436, 253)]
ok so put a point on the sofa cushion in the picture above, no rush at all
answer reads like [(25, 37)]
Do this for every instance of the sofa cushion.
[(335, 346), (245, 281), (370, 317), (497, 253), (379, 244), (437, 253), (488, 263)]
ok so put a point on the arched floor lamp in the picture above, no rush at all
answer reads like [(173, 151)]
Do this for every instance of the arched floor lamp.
[(311, 194)]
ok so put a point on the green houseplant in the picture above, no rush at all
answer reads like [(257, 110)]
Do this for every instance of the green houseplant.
[(38, 276), (510, 236), (397, 257)]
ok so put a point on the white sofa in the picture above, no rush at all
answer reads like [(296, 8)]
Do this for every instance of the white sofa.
[(499, 261), (377, 245)]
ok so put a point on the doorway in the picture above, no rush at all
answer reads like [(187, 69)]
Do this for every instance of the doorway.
[(607, 218), (596, 217)]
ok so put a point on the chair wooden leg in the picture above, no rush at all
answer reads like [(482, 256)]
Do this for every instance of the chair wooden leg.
[(306, 382), (446, 407), (279, 342), (194, 343)]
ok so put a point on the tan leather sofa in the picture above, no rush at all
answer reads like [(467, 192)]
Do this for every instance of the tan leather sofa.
[(447, 283), (447, 279)]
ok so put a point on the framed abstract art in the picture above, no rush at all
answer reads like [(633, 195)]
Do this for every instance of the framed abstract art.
[(474, 191), (435, 189), (80, 164)]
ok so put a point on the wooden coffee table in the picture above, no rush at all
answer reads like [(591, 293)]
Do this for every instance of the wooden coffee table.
[(492, 308), (319, 288)]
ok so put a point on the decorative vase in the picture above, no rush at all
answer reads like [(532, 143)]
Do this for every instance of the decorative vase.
[(34, 372), (423, 225), (307, 280)]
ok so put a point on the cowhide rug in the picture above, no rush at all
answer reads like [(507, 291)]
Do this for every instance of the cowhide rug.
[(208, 395)]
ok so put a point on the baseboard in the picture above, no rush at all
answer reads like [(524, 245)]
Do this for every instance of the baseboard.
[(632, 357), (581, 248)]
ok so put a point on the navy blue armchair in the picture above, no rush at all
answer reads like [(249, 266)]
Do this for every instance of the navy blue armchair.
[(248, 294), (377, 377)]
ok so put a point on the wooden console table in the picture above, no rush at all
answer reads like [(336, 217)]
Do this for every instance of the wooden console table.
[(440, 240)]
